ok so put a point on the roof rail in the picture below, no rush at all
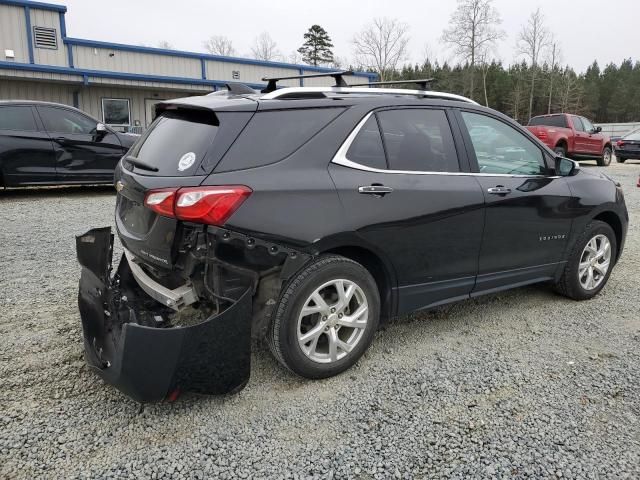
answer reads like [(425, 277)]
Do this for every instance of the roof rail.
[(423, 83), (337, 76), (298, 92)]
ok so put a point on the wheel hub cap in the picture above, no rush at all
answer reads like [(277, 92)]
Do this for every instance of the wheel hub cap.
[(332, 321), (595, 262)]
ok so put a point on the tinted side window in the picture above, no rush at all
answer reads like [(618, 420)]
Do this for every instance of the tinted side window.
[(17, 118), (587, 125), (418, 140), (577, 124), (271, 136), (60, 120), (367, 148), (500, 148)]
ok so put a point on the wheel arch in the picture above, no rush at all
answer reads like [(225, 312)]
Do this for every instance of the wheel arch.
[(611, 218), (562, 142), (380, 270)]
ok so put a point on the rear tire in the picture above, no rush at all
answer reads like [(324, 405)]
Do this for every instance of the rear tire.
[(605, 160), (574, 282), (331, 345)]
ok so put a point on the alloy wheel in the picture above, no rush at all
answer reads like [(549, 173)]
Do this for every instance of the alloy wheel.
[(332, 321), (595, 262)]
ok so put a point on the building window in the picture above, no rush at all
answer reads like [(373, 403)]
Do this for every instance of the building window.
[(116, 112), (45, 37)]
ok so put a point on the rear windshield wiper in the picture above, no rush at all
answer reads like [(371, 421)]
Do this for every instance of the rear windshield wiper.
[(140, 164)]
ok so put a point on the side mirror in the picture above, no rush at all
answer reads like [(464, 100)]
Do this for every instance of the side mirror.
[(565, 167), (597, 129), (101, 128)]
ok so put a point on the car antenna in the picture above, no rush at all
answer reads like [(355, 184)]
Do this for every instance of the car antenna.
[(239, 89), (337, 76)]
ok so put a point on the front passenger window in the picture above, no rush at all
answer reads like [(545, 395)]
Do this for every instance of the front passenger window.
[(501, 149)]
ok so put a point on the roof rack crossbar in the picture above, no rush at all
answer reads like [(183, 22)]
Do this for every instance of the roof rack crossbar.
[(423, 83), (337, 76)]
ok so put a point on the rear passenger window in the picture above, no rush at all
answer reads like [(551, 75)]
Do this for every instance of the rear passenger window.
[(17, 118), (418, 140), (271, 136), (367, 148)]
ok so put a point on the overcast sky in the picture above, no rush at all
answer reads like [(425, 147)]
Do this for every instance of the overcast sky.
[(586, 29)]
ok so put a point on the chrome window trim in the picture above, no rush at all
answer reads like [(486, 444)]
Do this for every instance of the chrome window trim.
[(340, 158)]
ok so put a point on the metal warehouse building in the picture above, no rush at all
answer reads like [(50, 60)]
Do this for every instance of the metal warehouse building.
[(116, 83)]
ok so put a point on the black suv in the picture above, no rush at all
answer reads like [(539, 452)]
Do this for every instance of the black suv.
[(51, 144), (308, 215)]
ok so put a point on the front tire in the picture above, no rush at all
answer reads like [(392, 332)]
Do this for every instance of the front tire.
[(605, 160), (326, 317), (560, 150), (590, 262)]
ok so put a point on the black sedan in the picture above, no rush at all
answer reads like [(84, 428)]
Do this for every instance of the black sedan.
[(628, 147), (52, 144)]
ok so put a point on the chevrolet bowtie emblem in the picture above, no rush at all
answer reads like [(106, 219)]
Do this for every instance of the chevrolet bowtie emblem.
[(119, 186)]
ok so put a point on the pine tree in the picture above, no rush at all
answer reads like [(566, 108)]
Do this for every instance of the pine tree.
[(317, 46)]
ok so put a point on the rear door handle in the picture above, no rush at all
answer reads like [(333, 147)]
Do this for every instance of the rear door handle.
[(499, 190), (375, 189)]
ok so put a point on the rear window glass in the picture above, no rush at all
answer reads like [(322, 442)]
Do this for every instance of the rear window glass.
[(177, 142), (367, 148), (271, 136), (633, 135), (17, 118), (552, 121)]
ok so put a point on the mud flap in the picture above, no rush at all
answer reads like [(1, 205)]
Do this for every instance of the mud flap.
[(147, 363)]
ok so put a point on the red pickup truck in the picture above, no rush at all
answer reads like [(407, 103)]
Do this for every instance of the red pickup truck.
[(572, 136)]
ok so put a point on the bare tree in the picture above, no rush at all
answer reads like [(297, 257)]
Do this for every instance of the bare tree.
[(165, 44), (265, 48), (555, 54), (483, 59), (532, 41), (219, 45), (382, 45), (473, 30)]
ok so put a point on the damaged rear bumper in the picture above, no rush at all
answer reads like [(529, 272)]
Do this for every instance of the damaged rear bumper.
[(146, 361)]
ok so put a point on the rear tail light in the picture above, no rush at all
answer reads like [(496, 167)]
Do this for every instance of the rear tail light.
[(620, 143), (210, 205), (542, 135)]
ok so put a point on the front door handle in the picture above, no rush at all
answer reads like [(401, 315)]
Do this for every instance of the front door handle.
[(375, 189), (499, 190)]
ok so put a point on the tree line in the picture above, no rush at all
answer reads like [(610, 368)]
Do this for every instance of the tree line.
[(537, 83)]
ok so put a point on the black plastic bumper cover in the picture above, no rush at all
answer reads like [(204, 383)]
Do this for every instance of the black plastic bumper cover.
[(147, 363)]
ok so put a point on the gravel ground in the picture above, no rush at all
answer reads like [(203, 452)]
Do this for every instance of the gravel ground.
[(520, 384)]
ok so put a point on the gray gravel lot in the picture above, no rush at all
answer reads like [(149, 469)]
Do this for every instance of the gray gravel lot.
[(520, 384)]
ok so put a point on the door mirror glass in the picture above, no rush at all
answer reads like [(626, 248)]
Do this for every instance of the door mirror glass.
[(566, 167), (101, 128), (597, 129)]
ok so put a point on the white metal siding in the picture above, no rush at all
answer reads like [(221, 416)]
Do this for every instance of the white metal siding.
[(25, 74), (12, 33), (135, 62), (48, 56), (249, 73), (330, 82), (48, 92)]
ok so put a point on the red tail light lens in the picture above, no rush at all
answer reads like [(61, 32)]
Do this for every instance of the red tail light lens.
[(542, 135), (161, 201), (210, 205), (620, 143)]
